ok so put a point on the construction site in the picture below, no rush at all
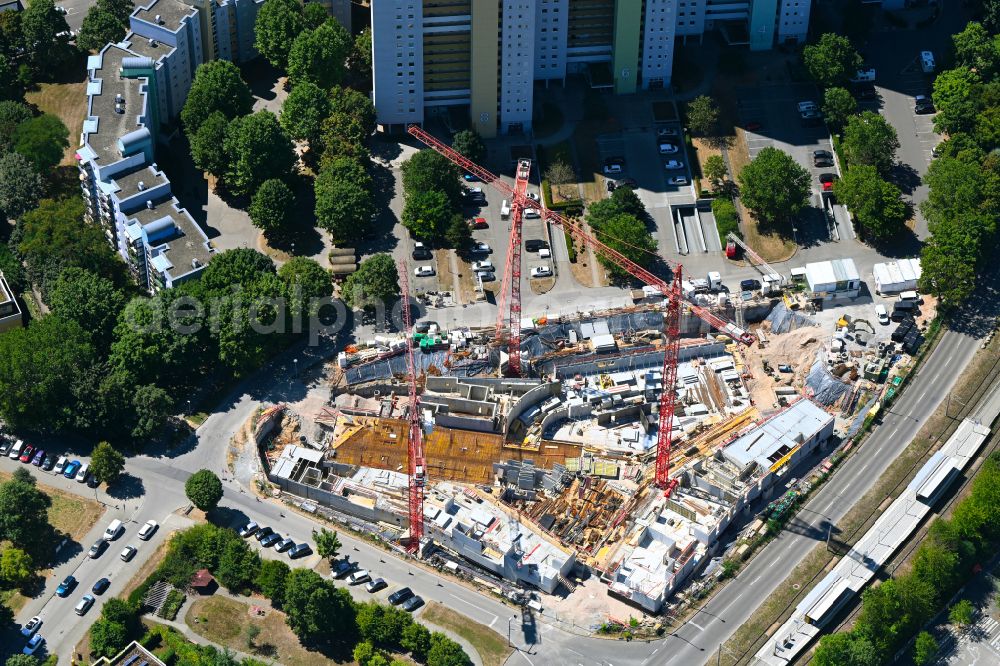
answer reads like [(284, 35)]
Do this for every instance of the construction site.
[(615, 446)]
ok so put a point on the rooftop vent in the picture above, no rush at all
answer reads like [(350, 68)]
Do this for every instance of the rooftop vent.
[(159, 20), (195, 263), (142, 185), (153, 43), (119, 99), (149, 204), (120, 108)]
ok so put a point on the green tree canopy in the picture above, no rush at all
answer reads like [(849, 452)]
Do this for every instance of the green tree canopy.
[(206, 144), (870, 139), (217, 86), (327, 543), (314, 15), (241, 266), (416, 639), (838, 106), (774, 186), (428, 170), (376, 279), (18, 659), (311, 278), (272, 207), (976, 49), (42, 140), (715, 170), (99, 28), (25, 519), (629, 236), (924, 649), (345, 203), (877, 204), (469, 144), (258, 150), (107, 463), (957, 97), (360, 62), (238, 566), (446, 652), (320, 55), (108, 638), (16, 567), (12, 113), (316, 610), (458, 235), (40, 23), (703, 116), (962, 613), (204, 489), (832, 61), (91, 301), (305, 108), (353, 102), (427, 214), (278, 23), (151, 406), (20, 186), (271, 580), (846, 649)]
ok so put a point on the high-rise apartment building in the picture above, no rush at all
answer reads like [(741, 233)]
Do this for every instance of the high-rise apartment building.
[(486, 55)]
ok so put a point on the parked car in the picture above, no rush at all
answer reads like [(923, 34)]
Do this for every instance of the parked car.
[(148, 530), (284, 544), (82, 473), (864, 91), (822, 158), (33, 644), (270, 540), (423, 271), (26, 453), (400, 595), (376, 585), (535, 245), (49, 462), (487, 277), (481, 247), (39, 457), (15, 451), (749, 285), (479, 223), (299, 550), (470, 178), (475, 195), (66, 586), (421, 252), (668, 149), (113, 530), (5, 446), (531, 214), (97, 549), (249, 529), (541, 271), (614, 167), (882, 313), (673, 165), (359, 576), (343, 568), (263, 532), (483, 266), (811, 118), (922, 104), (84, 605), (69, 471), (667, 133), (412, 604), (93, 481), (827, 180), (534, 197), (128, 553), (807, 106), (677, 180), (61, 464), (31, 626), (101, 586)]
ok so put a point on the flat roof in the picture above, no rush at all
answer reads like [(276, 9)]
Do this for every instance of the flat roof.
[(777, 435), (140, 45), (128, 181), (112, 125), (829, 272), (170, 12), (189, 242)]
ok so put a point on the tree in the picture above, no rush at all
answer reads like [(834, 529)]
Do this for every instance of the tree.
[(427, 214), (715, 170), (272, 206), (91, 301), (206, 144), (957, 98), (345, 205), (316, 610), (11, 34), (120, 9), (846, 649), (151, 406), (241, 266), (629, 236), (271, 579), (257, 150), (870, 139), (305, 108), (376, 280), (446, 652), (976, 49), (18, 659), (560, 174), (307, 275), (458, 235), (838, 106), (363, 653), (428, 170), (12, 113), (238, 566), (360, 62), (327, 543), (99, 28), (37, 367), (320, 55), (703, 116), (108, 638), (470, 144), (253, 630), (354, 103), (416, 639), (217, 86), (962, 613), (42, 140), (774, 186), (924, 649), (832, 61), (106, 463), (10, 87), (16, 567), (278, 23), (314, 15), (25, 519), (40, 23), (20, 186), (204, 489), (877, 205), (948, 262)]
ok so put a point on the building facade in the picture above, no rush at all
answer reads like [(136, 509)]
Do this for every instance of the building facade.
[(430, 56), (135, 89), (10, 311)]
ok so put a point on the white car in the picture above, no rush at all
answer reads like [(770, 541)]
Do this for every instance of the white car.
[(541, 271), (533, 196), (673, 165), (677, 180), (807, 106), (544, 253), (147, 530), (668, 149), (882, 313), (481, 247), (31, 626), (358, 577), (666, 133), (613, 169), (81, 475), (423, 271), (483, 266), (531, 214)]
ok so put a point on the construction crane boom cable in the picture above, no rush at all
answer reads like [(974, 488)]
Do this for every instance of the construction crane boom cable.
[(415, 443)]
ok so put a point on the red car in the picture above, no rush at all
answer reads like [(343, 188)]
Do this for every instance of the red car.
[(26, 454), (730, 250), (827, 180), (479, 223)]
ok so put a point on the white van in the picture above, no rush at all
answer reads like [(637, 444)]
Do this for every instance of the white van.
[(505, 209), (15, 451), (909, 296), (114, 529)]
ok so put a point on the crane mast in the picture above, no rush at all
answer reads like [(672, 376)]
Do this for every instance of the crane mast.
[(415, 441), (671, 290), (512, 275)]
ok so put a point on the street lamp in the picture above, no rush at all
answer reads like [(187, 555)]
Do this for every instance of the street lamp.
[(512, 618), (296, 362)]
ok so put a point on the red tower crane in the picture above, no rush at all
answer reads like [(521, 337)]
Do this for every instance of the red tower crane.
[(512, 274), (415, 442), (671, 290)]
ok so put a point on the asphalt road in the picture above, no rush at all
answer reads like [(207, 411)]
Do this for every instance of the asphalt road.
[(75, 11)]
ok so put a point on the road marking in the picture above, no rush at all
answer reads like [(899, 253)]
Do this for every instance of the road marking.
[(523, 654), (754, 581), (696, 625)]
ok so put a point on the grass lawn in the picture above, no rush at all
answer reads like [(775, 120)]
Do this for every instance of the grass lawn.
[(224, 621), (69, 514), (69, 102), (492, 647)]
